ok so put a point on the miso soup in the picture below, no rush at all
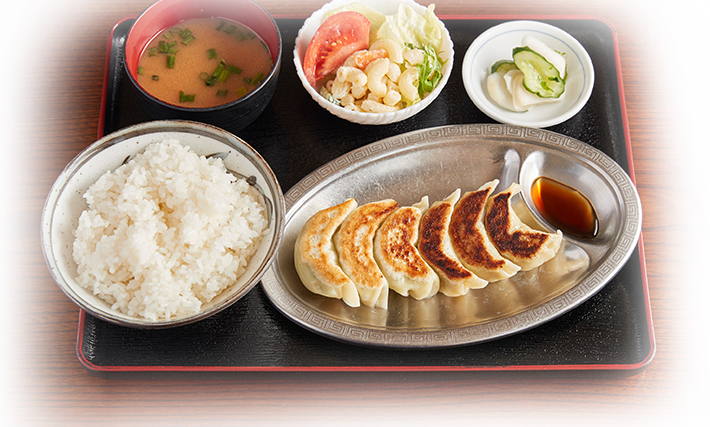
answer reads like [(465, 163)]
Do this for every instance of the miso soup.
[(204, 63)]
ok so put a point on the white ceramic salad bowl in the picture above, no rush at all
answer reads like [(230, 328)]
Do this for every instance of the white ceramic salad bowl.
[(388, 7)]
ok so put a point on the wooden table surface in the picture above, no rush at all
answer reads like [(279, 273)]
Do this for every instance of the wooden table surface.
[(55, 83)]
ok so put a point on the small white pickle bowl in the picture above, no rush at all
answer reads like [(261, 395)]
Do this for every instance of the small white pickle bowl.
[(497, 43)]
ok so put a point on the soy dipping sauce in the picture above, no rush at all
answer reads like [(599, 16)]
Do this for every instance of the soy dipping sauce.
[(565, 207)]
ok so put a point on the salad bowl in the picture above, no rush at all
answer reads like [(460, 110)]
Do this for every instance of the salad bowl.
[(387, 7)]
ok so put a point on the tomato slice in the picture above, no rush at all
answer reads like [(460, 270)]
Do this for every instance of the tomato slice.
[(337, 38)]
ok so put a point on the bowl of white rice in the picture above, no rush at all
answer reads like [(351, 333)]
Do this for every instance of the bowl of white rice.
[(162, 224)]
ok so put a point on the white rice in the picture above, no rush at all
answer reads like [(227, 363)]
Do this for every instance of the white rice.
[(166, 232)]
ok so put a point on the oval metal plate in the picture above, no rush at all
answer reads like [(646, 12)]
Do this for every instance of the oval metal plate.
[(434, 162)]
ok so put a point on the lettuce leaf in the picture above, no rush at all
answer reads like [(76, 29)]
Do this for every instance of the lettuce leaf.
[(408, 27), (429, 71)]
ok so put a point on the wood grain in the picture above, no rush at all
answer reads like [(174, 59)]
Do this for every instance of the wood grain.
[(56, 115)]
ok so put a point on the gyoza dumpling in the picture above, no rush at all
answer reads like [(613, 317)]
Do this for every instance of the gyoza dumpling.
[(397, 255), (315, 258), (354, 242), (515, 240), (435, 247), (470, 240)]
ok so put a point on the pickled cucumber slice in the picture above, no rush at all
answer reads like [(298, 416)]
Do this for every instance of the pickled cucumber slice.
[(503, 66), (552, 56), (540, 76)]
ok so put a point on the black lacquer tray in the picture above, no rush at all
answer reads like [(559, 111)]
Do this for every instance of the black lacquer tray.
[(611, 331)]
